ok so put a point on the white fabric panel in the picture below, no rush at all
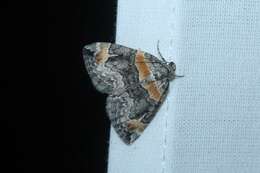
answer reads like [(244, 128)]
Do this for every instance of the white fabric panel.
[(210, 121)]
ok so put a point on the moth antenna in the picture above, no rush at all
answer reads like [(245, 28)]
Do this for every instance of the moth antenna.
[(159, 52), (178, 76)]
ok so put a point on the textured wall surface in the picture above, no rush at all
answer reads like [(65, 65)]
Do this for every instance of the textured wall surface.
[(210, 121)]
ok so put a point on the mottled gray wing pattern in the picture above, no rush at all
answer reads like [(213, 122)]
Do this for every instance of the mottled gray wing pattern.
[(136, 82), (110, 66), (133, 110)]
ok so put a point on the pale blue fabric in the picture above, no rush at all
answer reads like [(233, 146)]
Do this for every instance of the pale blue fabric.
[(210, 122)]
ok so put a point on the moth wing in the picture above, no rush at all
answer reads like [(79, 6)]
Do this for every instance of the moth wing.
[(110, 66), (133, 110), (136, 82)]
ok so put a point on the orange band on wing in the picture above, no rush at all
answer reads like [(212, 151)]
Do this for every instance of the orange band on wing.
[(153, 91), (135, 126), (144, 72), (102, 55), (142, 67)]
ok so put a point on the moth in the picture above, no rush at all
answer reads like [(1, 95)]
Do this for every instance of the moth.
[(136, 82)]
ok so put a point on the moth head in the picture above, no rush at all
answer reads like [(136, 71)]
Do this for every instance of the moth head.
[(171, 68)]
